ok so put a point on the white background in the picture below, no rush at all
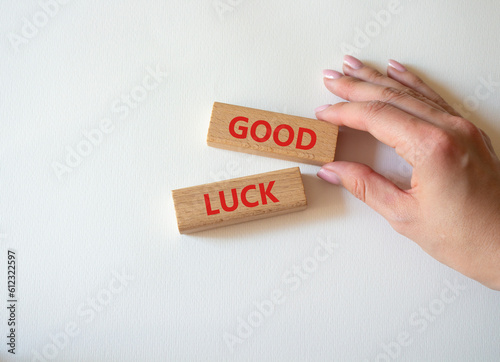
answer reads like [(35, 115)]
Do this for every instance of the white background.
[(112, 213)]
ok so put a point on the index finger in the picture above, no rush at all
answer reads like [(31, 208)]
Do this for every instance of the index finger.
[(390, 125)]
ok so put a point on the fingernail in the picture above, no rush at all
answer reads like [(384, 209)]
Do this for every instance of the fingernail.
[(396, 65), (321, 108), (329, 176), (352, 62), (331, 74)]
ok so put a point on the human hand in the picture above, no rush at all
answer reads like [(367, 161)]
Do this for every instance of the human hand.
[(452, 209)]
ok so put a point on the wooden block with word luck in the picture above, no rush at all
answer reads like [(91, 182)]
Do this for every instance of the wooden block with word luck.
[(238, 200), (272, 134)]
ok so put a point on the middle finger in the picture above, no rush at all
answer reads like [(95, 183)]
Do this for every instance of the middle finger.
[(356, 90)]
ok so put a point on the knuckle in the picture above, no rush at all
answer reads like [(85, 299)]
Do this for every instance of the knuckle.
[(390, 94), (467, 129), (441, 143), (442, 139), (413, 93), (374, 76), (374, 108), (359, 189), (435, 100), (360, 185)]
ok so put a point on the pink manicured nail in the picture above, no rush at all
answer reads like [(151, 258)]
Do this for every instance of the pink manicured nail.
[(353, 62), (329, 176), (321, 108), (331, 74), (396, 65)]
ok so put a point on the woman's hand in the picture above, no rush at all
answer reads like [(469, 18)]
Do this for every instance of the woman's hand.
[(452, 209)]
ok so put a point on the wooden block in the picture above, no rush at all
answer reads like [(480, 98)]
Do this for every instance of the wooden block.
[(238, 200), (272, 134)]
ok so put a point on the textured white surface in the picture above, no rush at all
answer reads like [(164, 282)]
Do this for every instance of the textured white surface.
[(113, 213)]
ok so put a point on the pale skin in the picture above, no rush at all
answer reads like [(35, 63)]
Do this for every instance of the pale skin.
[(452, 210)]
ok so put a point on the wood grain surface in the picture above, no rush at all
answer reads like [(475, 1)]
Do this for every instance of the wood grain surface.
[(272, 134), (238, 200)]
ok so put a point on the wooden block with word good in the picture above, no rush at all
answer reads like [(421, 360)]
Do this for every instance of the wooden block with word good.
[(272, 134), (238, 200)]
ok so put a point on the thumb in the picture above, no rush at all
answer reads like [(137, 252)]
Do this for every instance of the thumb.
[(382, 195)]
